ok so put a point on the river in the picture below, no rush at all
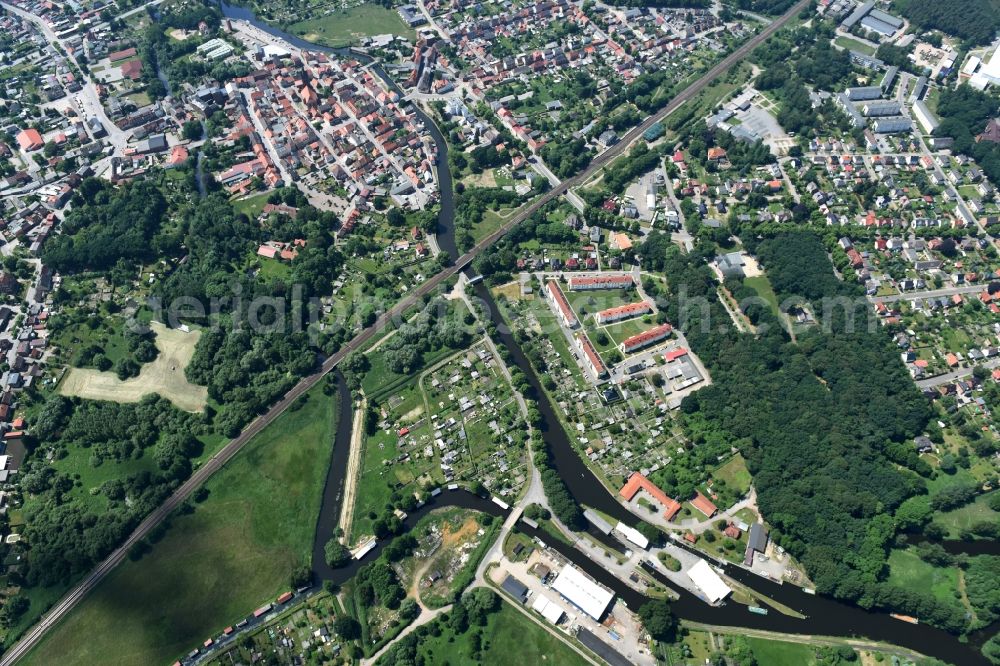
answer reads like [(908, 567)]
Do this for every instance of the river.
[(825, 616)]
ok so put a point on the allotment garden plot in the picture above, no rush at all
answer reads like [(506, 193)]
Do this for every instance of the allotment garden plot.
[(458, 422), (620, 429)]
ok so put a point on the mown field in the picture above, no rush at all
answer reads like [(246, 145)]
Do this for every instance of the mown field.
[(908, 571), (215, 565), (350, 25)]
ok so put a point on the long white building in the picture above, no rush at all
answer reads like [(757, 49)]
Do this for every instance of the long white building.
[(925, 117), (582, 592)]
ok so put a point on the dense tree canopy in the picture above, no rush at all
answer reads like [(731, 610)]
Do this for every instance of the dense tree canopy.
[(964, 112), (68, 537), (109, 224), (658, 620), (824, 423), (976, 21), (773, 7)]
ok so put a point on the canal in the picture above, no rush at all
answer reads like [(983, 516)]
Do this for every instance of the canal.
[(825, 616)]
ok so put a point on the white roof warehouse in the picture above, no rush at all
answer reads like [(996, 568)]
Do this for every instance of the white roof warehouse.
[(582, 592), (708, 582)]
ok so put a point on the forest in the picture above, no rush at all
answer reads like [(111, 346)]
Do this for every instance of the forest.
[(773, 7), (975, 21), (69, 533), (964, 112), (107, 224), (789, 259), (822, 423)]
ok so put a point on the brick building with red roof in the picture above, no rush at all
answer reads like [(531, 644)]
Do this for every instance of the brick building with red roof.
[(638, 482)]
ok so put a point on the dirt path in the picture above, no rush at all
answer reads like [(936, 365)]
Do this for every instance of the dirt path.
[(415, 586), (353, 469), (857, 644)]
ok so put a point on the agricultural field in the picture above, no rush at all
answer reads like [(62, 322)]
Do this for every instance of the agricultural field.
[(164, 375), (213, 565)]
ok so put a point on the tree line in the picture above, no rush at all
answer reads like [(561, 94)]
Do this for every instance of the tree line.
[(67, 536), (975, 21), (822, 423)]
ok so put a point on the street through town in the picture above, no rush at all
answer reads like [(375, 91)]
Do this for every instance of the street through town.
[(227, 452)]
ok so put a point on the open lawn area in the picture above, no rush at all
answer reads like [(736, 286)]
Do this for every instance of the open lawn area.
[(164, 375), (735, 475), (251, 206), (621, 331), (511, 291), (780, 653), (586, 303), (854, 45), (215, 565), (965, 517), (140, 99), (348, 26), (508, 639), (908, 571), (492, 220), (763, 287)]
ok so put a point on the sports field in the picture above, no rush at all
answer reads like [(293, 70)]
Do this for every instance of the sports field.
[(164, 375)]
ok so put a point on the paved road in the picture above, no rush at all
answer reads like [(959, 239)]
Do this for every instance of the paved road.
[(933, 382), (90, 103), (202, 474), (934, 293)]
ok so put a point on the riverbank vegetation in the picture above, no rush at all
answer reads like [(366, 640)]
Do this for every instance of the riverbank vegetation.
[(215, 560)]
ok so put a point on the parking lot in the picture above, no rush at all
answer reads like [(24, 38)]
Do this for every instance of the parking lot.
[(765, 125), (618, 621)]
